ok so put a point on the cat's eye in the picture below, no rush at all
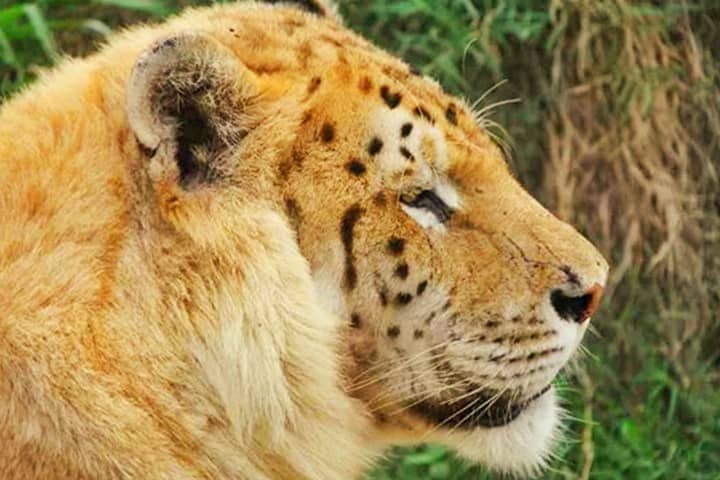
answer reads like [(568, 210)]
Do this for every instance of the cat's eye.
[(429, 201)]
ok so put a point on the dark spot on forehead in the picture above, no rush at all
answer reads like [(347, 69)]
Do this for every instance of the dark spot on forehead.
[(383, 295), (421, 288), (375, 146), (307, 116), (294, 22), (297, 158), (356, 167), (392, 100), (418, 334), (407, 154), (447, 305), (393, 331), (355, 321), (314, 84), (402, 270), (492, 324), (380, 199), (396, 245), (422, 112), (430, 318), (365, 84), (406, 129), (327, 133), (347, 225), (451, 114), (304, 52), (403, 298), (332, 40)]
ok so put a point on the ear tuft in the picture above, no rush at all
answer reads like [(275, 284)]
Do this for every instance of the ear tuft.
[(187, 104)]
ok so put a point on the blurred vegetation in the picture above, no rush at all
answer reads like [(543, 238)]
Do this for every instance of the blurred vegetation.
[(616, 129)]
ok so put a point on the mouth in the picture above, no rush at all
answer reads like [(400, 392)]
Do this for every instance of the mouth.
[(485, 409)]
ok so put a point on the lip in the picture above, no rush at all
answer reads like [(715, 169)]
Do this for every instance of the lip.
[(462, 414)]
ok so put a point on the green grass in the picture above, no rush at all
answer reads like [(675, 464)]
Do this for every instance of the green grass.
[(645, 404)]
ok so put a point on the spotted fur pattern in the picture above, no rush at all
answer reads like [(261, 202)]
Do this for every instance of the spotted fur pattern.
[(249, 244)]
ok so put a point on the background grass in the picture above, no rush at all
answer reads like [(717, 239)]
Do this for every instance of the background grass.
[(616, 129)]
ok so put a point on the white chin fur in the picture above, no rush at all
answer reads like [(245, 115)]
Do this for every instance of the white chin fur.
[(521, 447)]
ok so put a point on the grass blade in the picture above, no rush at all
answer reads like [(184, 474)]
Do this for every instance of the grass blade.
[(96, 26), (7, 54), (152, 7), (41, 30), (10, 14)]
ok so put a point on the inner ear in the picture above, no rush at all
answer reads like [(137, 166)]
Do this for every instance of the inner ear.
[(187, 104), (196, 141)]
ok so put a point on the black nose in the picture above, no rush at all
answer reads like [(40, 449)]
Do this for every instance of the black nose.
[(576, 308)]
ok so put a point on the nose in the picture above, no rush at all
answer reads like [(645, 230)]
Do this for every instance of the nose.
[(576, 308)]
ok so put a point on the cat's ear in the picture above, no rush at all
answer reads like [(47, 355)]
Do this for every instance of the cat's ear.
[(187, 103)]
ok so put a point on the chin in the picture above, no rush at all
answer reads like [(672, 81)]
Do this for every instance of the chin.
[(520, 447)]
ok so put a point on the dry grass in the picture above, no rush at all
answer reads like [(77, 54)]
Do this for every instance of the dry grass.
[(634, 151)]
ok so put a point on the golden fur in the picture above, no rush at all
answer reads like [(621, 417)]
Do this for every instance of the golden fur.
[(217, 261)]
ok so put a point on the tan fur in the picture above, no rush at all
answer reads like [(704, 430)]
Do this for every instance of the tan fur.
[(151, 328)]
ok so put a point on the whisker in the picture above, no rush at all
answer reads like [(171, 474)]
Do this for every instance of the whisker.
[(418, 354), (398, 386), (487, 92), (480, 114), (466, 50), (424, 396), (480, 409), (476, 411), (470, 405), (360, 380), (399, 368), (405, 381)]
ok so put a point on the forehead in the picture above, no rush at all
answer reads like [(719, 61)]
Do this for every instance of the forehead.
[(342, 77), (410, 114)]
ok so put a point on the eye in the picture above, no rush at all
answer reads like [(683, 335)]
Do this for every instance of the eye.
[(429, 201)]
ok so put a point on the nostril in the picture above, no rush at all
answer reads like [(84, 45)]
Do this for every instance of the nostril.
[(576, 308)]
